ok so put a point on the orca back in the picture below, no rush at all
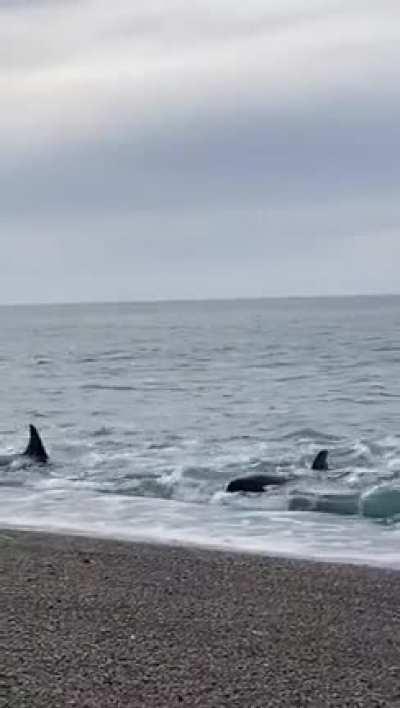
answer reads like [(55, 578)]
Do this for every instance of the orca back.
[(35, 448), (254, 483), (321, 461)]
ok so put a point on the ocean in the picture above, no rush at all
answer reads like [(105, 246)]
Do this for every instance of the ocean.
[(149, 410)]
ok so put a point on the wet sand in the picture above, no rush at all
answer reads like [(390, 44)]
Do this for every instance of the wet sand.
[(100, 623)]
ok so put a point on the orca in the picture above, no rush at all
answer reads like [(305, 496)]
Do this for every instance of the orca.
[(35, 450), (321, 461), (257, 482)]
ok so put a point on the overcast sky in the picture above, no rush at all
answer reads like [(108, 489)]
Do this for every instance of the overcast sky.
[(202, 148)]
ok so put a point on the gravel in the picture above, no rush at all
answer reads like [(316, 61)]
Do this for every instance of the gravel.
[(92, 623)]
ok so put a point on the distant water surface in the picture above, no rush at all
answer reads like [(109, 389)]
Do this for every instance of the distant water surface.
[(148, 410)]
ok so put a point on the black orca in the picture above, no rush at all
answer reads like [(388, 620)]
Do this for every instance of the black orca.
[(254, 483), (321, 461), (35, 450), (258, 482)]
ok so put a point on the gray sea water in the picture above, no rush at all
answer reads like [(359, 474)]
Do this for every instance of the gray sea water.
[(148, 410)]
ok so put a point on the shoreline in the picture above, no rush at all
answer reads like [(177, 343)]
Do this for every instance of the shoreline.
[(13, 533), (94, 622), (190, 545)]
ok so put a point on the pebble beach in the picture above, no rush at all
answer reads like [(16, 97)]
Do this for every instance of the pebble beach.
[(86, 622)]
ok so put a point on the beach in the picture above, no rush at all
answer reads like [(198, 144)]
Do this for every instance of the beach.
[(86, 622)]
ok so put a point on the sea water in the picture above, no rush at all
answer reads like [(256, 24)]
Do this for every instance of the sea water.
[(148, 410)]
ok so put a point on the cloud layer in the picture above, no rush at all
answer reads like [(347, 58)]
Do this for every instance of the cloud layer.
[(198, 149)]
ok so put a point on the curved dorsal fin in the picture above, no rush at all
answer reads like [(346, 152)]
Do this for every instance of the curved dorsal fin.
[(35, 447), (321, 461)]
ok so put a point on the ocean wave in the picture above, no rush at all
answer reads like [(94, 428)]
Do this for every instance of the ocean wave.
[(108, 387), (310, 434)]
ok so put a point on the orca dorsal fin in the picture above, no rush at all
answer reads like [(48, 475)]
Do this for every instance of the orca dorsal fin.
[(321, 461), (35, 447)]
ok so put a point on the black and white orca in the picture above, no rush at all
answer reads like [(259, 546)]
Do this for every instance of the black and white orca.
[(35, 450), (258, 482)]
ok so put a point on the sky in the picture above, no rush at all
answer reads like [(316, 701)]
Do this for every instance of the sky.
[(203, 149)]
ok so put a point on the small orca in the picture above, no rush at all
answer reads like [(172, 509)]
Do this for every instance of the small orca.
[(35, 450), (258, 482)]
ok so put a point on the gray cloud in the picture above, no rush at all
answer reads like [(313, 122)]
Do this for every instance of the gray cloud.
[(198, 150), (242, 160)]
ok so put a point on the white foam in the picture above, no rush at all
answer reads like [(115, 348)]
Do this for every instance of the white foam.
[(279, 532)]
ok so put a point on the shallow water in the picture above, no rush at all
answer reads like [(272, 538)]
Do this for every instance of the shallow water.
[(148, 410)]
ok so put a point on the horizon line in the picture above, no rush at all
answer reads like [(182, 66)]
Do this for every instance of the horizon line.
[(177, 300)]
